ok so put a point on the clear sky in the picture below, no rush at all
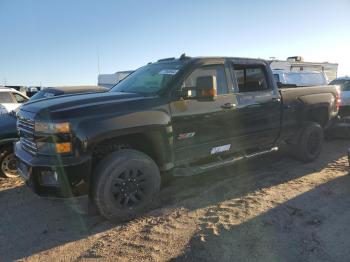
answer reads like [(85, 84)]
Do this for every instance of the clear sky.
[(57, 42)]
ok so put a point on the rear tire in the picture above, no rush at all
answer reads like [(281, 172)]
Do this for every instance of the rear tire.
[(309, 143), (8, 163), (126, 185)]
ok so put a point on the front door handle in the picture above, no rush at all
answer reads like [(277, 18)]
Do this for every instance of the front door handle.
[(228, 106)]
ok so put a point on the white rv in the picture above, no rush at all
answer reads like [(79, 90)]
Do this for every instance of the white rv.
[(110, 80), (301, 78), (297, 64)]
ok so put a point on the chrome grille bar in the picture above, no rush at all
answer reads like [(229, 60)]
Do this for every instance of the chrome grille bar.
[(26, 131), (29, 145)]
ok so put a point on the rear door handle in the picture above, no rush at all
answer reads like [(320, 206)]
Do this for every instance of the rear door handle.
[(228, 106), (276, 99)]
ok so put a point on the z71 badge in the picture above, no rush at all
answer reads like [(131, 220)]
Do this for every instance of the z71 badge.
[(185, 135), (220, 149)]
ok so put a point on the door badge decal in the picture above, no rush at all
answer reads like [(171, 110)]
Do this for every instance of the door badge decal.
[(186, 135), (220, 149)]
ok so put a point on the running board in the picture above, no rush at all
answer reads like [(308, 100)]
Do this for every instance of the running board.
[(195, 170)]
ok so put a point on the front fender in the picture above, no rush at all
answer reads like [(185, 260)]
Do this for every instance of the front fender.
[(154, 125), (94, 130)]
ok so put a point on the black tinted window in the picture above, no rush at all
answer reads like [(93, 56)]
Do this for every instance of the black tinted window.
[(250, 79), (5, 97), (213, 70), (344, 84)]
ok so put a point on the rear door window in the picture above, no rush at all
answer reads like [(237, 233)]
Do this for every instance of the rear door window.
[(250, 78), (5, 97)]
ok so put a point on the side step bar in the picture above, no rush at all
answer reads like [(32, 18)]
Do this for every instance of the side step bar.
[(195, 170)]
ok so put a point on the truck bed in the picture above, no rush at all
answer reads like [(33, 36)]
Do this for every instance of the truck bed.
[(299, 103)]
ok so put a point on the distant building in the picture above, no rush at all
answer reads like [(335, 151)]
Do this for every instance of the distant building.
[(110, 80)]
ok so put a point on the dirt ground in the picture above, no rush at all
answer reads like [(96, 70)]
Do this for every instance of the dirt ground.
[(268, 209)]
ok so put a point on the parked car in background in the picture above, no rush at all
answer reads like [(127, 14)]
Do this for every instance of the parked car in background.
[(8, 130), (8, 135), (10, 99), (301, 78), (344, 84), (65, 90), (186, 115), (21, 89)]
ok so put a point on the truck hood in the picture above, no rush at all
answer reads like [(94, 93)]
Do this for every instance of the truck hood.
[(68, 104)]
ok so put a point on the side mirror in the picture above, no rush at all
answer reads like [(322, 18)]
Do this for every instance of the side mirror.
[(206, 88)]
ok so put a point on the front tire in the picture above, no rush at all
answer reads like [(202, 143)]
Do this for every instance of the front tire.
[(8, 163), (310, 142), (126, 185)]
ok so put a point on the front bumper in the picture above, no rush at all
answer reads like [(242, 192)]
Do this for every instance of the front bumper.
[(55, 176)]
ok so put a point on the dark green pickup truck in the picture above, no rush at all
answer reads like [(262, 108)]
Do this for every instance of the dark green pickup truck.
[(185, 115)]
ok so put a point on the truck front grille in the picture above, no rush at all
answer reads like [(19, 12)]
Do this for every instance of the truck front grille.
[(29, 145), (26, 132), (26, 126)]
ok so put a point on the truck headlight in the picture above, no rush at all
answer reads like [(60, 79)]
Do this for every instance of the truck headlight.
[(63, 148), (54, 148), (52, 128)]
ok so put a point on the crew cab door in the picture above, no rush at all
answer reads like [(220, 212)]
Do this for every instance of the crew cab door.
[(258, 112), (201, 128)]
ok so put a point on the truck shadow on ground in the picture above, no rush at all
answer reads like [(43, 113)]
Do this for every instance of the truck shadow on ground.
[(248, 176), (310, 227), (30, 224)]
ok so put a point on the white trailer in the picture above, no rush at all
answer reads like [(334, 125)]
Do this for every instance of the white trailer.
[(297, 63), (110, 80)]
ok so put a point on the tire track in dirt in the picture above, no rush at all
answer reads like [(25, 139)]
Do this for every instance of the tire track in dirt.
[(150, 239), (223, 217)]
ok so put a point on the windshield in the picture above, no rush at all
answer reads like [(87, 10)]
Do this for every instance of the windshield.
[(149, 79), (344, 84)]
